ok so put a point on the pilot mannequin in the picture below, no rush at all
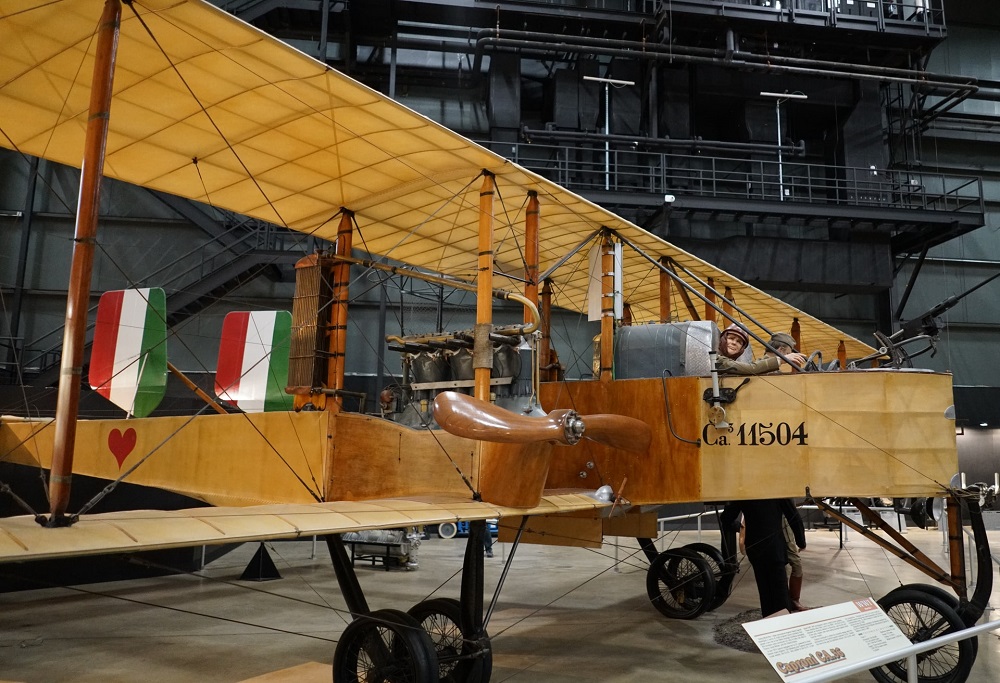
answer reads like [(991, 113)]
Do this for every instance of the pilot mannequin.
[(733, 342)]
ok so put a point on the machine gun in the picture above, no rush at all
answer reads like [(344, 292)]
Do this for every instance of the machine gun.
[(922, 327)]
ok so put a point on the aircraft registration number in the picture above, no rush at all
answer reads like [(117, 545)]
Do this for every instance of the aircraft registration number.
[(756, 434)]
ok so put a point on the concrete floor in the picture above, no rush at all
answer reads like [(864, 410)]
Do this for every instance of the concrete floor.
[(564, 615)]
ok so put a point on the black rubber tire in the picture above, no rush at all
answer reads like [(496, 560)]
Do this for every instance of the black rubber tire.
[(447, 530), (922, 616), (723, 579), (940, 593), (385, 645), (460, 659), (680, 584), (918, 512), (945, 596)]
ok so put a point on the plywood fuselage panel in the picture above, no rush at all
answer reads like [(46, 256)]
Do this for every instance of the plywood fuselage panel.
[(865, 433)]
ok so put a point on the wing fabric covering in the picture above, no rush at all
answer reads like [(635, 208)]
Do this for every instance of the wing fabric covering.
[(252, 371), (21, 538), (128, 360), (209, 108)]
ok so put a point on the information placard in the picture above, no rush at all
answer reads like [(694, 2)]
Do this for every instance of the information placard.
[(826, 637)]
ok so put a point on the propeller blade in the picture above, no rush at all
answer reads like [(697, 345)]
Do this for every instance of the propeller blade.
[(471, 418), (618, 431)]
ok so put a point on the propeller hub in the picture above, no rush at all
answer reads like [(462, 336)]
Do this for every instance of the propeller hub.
[(573, 427)]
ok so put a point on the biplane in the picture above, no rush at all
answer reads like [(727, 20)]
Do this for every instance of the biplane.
[(179, 97)]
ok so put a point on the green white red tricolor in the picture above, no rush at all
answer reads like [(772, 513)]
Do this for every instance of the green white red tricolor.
[(252, 371), (128, 361)]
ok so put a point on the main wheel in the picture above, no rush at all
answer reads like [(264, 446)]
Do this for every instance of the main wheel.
[(447, 530), (723, 579), (460, 659), (387, 646), (680, 583), (922, 616), (946, 597)]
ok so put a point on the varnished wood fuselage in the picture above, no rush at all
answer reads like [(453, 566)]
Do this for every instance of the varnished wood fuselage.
[(865, 433), (837, 434)]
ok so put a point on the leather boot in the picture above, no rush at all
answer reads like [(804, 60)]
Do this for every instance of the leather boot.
[(795, 592)]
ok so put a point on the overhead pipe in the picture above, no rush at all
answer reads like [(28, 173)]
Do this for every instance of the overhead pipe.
[(686, 143), (646, 50), (528, 48)]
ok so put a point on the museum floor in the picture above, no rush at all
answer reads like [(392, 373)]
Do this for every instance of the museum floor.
[(564, 615)]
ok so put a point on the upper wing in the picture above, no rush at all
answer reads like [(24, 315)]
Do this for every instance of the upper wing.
[(209, 108), (21, 538)]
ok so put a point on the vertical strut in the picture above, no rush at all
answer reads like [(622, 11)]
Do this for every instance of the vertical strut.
[(473, 569), (547, 372), (350, 587), (78, 296), (666, 293), (956, 548), (710, 300), (607, 308), (482, 352), (338, 318), (531, 218)]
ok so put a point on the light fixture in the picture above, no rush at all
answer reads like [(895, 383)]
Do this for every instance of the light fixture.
[(618, 83), (780, 97), (984, 424)]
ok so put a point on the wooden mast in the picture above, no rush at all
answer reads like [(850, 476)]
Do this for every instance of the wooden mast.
[(338, 317), (78, 296), (482, 352)]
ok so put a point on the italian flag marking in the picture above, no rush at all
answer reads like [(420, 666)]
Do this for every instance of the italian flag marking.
[(252, 371), (128, 360)]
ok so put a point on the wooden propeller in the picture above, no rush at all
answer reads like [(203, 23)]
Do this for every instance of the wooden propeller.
[(618, 431), (471, 418)]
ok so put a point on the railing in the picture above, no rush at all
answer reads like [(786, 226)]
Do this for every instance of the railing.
[(658, 173), (883, 13), (908, 653), (633, 6)]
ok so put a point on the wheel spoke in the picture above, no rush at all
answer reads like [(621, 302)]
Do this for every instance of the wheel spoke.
[(922, 615)]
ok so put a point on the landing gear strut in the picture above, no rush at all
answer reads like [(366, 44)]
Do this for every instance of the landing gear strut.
[(438, 640)]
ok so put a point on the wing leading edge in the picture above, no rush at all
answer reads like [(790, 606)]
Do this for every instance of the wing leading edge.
[(209, 108), (22, 539)]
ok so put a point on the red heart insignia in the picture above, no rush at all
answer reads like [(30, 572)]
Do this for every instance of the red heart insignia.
[(121, 444)]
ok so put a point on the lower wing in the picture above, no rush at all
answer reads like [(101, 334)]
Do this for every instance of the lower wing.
[(21, 538)]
